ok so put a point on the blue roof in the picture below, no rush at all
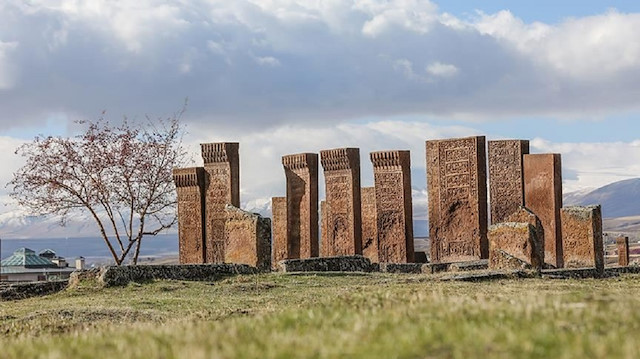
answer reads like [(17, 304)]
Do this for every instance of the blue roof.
[(25, 257)]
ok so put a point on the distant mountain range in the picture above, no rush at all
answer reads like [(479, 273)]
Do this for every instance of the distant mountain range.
[(618, 199)]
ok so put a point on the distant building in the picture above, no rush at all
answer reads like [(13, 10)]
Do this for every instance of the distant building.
[(25, 266)]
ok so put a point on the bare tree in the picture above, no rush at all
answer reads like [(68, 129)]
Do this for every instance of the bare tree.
[(121, 174)]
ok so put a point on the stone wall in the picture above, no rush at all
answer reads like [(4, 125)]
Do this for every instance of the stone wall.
[(122, 275), (28, 290)]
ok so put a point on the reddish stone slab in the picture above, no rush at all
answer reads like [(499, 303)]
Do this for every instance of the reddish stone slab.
[(457, 188), (222, 187), (190, 188), (323, 228), (506, 183), (622, 243), (582, 237), (534, 254), (394, 213), (301, 171), (279, 223), (543, 196), (248, 238), (369, 224), (518, 241), (342, 180)]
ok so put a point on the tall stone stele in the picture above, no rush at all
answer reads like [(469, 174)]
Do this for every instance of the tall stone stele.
[(506, 177), (622, 244), (394, 213), (457, 189), (582, 243), (543, 196), (301, 171), (342, 180), (191, 232), (280, 249), (248, 238), (222, 187), (369, 224)]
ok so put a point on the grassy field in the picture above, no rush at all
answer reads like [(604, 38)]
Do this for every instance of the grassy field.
[(329, 316)]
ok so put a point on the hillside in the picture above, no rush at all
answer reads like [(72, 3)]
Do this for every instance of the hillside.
[(618, 199)]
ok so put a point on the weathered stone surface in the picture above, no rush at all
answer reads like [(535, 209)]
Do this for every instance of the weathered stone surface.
[(543, 196), (506, 182), (369, 224), (355, 263), (279, 222), (622, 243), (248, 238), (28, 290), (481, 264), (222, 187), (523, 215), (517, 240), (301, 171), (582, 237), (190, 188), (408, 268), (457, 188), (394, 213), (324, 227), (121, 275), (344, 223), (420, 257)]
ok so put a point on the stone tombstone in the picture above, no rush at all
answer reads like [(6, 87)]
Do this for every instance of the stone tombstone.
[(622, 243), (457, 189), (222, 187), (523, 215), (323, 228), (394, 213), (342, 180), (301, 171), (517, 240), (280, 247), (190, 188), (369, 224), (506, 183), (582, 237), (543, 196), (248, 238)]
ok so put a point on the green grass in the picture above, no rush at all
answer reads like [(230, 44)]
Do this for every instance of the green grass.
[(328, 316)]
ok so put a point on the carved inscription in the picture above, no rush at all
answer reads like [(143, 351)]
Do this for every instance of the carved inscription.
[(189, 186), (342, 180), (506, 182), (221, 164), (392, 176), (456, 176), (301, 171), (369, 224), (582, 237), (279, 221)]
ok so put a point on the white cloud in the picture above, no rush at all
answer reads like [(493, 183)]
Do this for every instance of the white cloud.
[(318, 61), (442, 70), (7, 67)]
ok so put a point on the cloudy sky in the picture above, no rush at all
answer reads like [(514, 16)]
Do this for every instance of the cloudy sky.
[(287, 76)]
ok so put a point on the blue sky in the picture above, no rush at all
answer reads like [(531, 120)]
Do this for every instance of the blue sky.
[(548, 11), (288, 76)]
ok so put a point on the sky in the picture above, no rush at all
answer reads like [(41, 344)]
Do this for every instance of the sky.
[(287, 76)]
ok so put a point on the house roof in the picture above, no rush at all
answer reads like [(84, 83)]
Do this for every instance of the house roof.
[(27, 258)]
